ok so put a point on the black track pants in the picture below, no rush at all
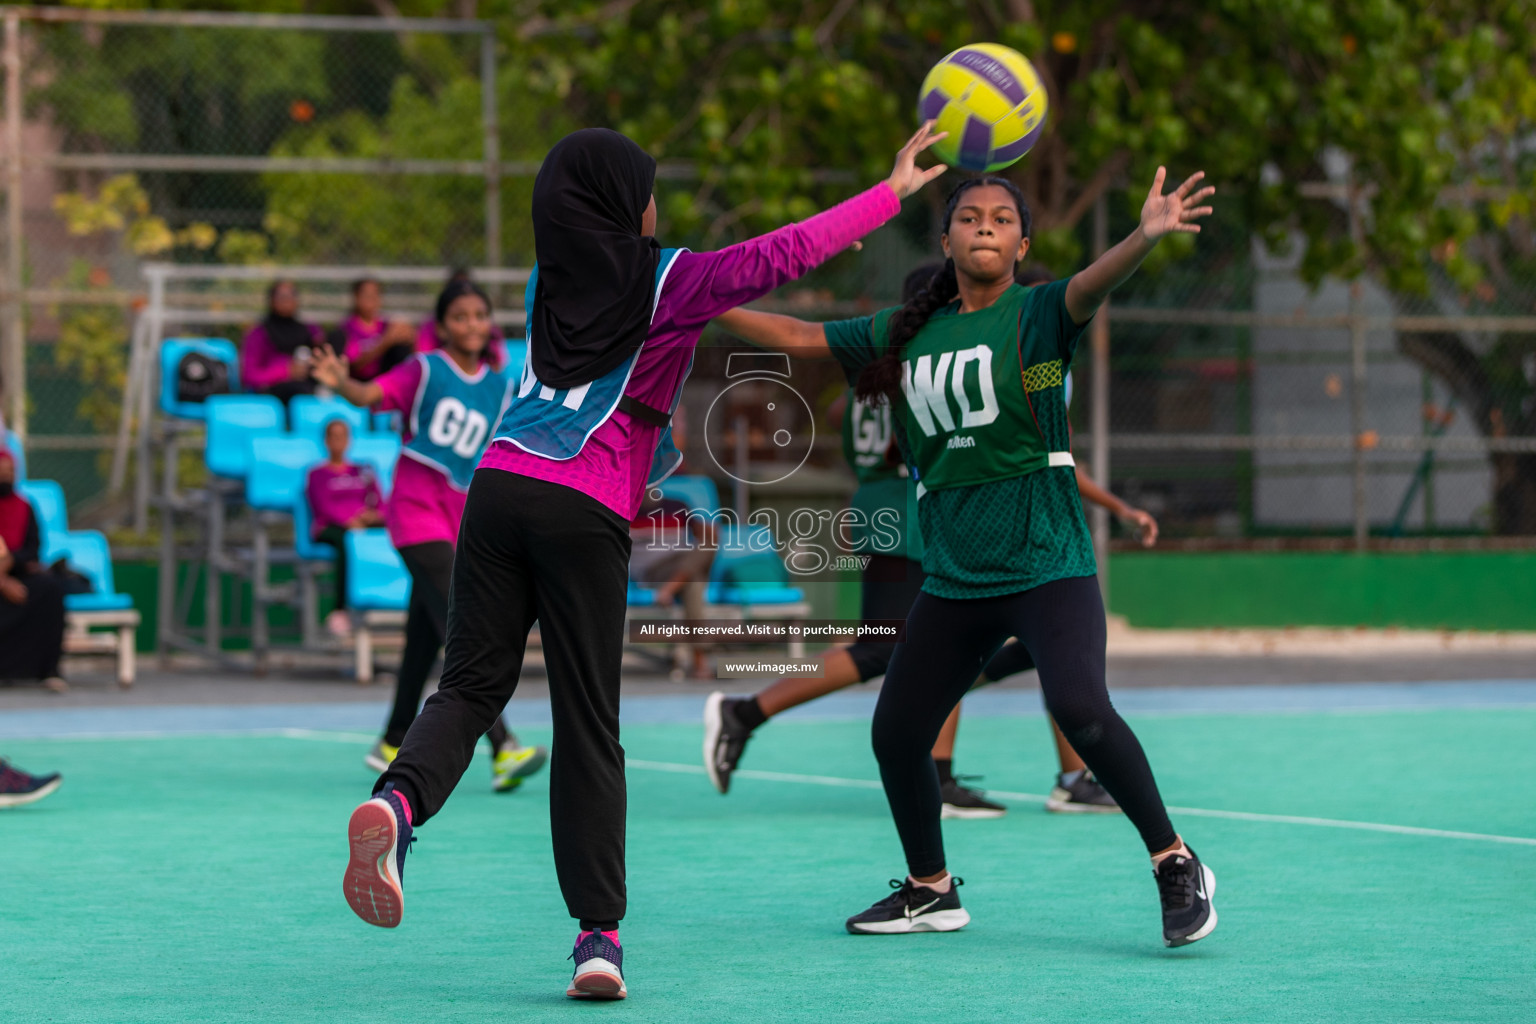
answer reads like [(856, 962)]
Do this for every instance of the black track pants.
[(1061, 623), (530, 550), (426, 623)]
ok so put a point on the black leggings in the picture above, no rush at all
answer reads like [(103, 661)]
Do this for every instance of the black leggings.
[(1061, 623), (535, 550), (1011, 660), (336, 536), (426, 623), (887, 590)]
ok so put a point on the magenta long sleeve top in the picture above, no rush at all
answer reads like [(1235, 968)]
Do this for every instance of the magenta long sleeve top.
[(613, 465)]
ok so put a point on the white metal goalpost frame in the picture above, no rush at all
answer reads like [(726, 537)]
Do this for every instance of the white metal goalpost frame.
[(142, 426)]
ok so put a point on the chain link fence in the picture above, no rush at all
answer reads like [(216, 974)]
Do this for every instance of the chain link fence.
[(218, 138), (1243, 407)]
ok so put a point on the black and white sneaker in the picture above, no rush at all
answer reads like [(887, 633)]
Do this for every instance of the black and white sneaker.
[(913, 908), (965, 802), (1186, 888), (1080, 793), (724, 738)]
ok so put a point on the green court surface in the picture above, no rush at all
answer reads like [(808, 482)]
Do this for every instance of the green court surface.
[(197, 878)]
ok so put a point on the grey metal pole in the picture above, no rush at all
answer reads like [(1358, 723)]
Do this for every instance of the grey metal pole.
[(1098, 410), (492, 152), (743, 499), (15, 361), (1357, 337)]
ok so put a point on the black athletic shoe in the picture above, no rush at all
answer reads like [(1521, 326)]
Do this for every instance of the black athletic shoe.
[(964, 802), (1080, 793), (1186, 887), (724, 738), (17, 787), (913, 908)]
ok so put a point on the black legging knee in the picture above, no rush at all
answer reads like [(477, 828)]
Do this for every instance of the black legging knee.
[(1061, 623)]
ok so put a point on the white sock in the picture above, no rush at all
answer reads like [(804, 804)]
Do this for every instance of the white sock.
[(1181, 850), (941, 886)]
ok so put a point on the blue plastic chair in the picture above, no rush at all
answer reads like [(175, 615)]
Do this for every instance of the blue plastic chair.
[(90, 555), (747, 570), (47, 500), (171, 351), (234, 422), (697, 492), (11, 443), (381, 451), (376, 577), (279, 468), (308, 416), (387, 422)]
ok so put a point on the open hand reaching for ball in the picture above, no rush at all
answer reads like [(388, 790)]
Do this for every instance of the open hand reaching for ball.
[(906, 177), (1176, 211)]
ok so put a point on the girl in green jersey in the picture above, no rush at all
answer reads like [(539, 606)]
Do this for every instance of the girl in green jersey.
[(975, 368)]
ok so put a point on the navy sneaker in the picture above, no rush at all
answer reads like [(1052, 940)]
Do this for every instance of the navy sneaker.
[(1186, 888), (17, 787), (1080, 793), (380, 837), (599, 970), (913, 908)]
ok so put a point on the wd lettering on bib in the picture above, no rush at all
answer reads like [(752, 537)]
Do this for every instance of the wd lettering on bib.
[(555, 423), (970, 413), (452, 415)]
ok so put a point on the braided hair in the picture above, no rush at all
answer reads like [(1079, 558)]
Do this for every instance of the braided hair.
[(880, 381)]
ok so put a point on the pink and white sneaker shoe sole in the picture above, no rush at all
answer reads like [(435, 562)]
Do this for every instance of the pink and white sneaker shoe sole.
[(372, 882), (597, 979)]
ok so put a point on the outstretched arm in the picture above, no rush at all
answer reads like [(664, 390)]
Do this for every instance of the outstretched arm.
[(717, 281), (331, 370), (799, 339), (1137, 519), (1160, 214)]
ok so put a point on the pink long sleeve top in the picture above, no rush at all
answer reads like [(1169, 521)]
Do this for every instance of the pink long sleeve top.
[(261, 365), (613, 465)]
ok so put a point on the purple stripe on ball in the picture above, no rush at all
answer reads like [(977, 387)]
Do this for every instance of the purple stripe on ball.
[(976, 145), (993, 70), (931, 105), (1014, 150)]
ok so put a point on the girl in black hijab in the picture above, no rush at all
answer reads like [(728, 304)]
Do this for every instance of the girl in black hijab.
[(613, 320), (275, 355)]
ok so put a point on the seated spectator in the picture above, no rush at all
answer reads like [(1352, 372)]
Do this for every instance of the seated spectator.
[(429, 336), (274, 358), (31, 598), (673, 553), (371, 343), (342, 496)]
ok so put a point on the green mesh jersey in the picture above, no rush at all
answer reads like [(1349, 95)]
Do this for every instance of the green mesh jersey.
[(1000, 535), (886, 498)]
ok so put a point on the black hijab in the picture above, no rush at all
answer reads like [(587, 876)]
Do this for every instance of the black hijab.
[(286, 333), (597, 274)]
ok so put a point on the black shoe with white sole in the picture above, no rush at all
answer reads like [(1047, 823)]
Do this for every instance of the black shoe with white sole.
[(965, 802), (913, 908), (1186, 888), (725, 737), (1080, 793)]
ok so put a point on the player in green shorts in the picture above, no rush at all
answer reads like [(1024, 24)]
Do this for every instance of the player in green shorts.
[(975, 368)]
